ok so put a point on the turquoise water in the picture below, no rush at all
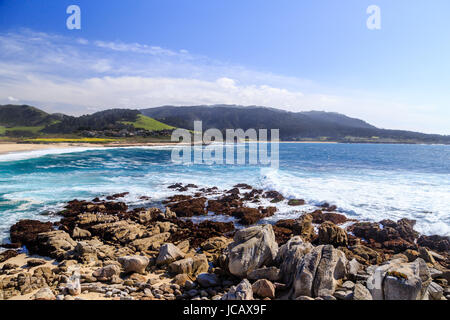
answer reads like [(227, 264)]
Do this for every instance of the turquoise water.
[(365, 181)]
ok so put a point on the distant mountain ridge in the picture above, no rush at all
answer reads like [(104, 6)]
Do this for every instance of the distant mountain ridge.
[(26, 120), (292, 125)]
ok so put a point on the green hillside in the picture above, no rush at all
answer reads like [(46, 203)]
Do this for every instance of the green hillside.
[(147, 123)]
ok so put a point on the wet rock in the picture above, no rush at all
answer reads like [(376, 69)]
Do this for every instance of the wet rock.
[(243, 291), (435, 242), (189, 208), (296, 202), (135, 264), (44, 294), (168, 253), (274, 195), (247, 216), (207, 280), (251, 249), (320, 217), (264, 289), (329, 233), (25, 232)]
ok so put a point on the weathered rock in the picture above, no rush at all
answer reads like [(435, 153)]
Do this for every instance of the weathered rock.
[(79, 233), (243, 291), (25, 232), (435, 242), (55, 244), (329, 233), (264, 288), (189, 208), (190, 266), (398, 280), (319, 271), (248, 216), (269, 273), (290, 256), (44, 294), (135, 264), (361, 292), (119, 231), (435, 291), (169, 253), (251, 249), (426, 255), (8, 254), (91, 251), (106, 273), (207, 280), (215, 244), (154, 242)]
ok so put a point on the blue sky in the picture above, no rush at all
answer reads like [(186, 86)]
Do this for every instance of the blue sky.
[(290, 54)]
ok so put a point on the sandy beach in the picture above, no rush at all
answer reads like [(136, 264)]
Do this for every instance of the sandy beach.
[(6, 148)]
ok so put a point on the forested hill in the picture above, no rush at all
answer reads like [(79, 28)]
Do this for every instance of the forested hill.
[(292, 125)]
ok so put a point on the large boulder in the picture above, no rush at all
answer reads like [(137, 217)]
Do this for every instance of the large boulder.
[(153, 242), (190, 266), (56, 244), (290, 256), (134, 264), (319, 272), (168, 253), (399, 280), (243, 291), (251, 249), (106, 273), (207, 280), (25, 232)]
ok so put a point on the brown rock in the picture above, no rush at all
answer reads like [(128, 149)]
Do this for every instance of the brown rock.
[(329, 233), (264, 288)]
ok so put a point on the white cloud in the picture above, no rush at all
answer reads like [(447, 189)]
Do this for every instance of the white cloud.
[(79, 76), (12, 99)]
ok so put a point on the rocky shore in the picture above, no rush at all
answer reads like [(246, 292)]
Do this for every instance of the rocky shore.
[(102, 249)]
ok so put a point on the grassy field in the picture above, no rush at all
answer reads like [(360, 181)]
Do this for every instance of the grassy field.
[(147, 123), (34, 130), (2, 130), (81, 140)]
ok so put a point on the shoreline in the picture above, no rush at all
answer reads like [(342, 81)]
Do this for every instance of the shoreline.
[(101, 249)]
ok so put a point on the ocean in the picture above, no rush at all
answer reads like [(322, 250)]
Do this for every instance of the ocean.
[(365, 181)]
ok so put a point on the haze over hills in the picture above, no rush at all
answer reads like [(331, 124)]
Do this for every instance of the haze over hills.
[(294, 126)]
